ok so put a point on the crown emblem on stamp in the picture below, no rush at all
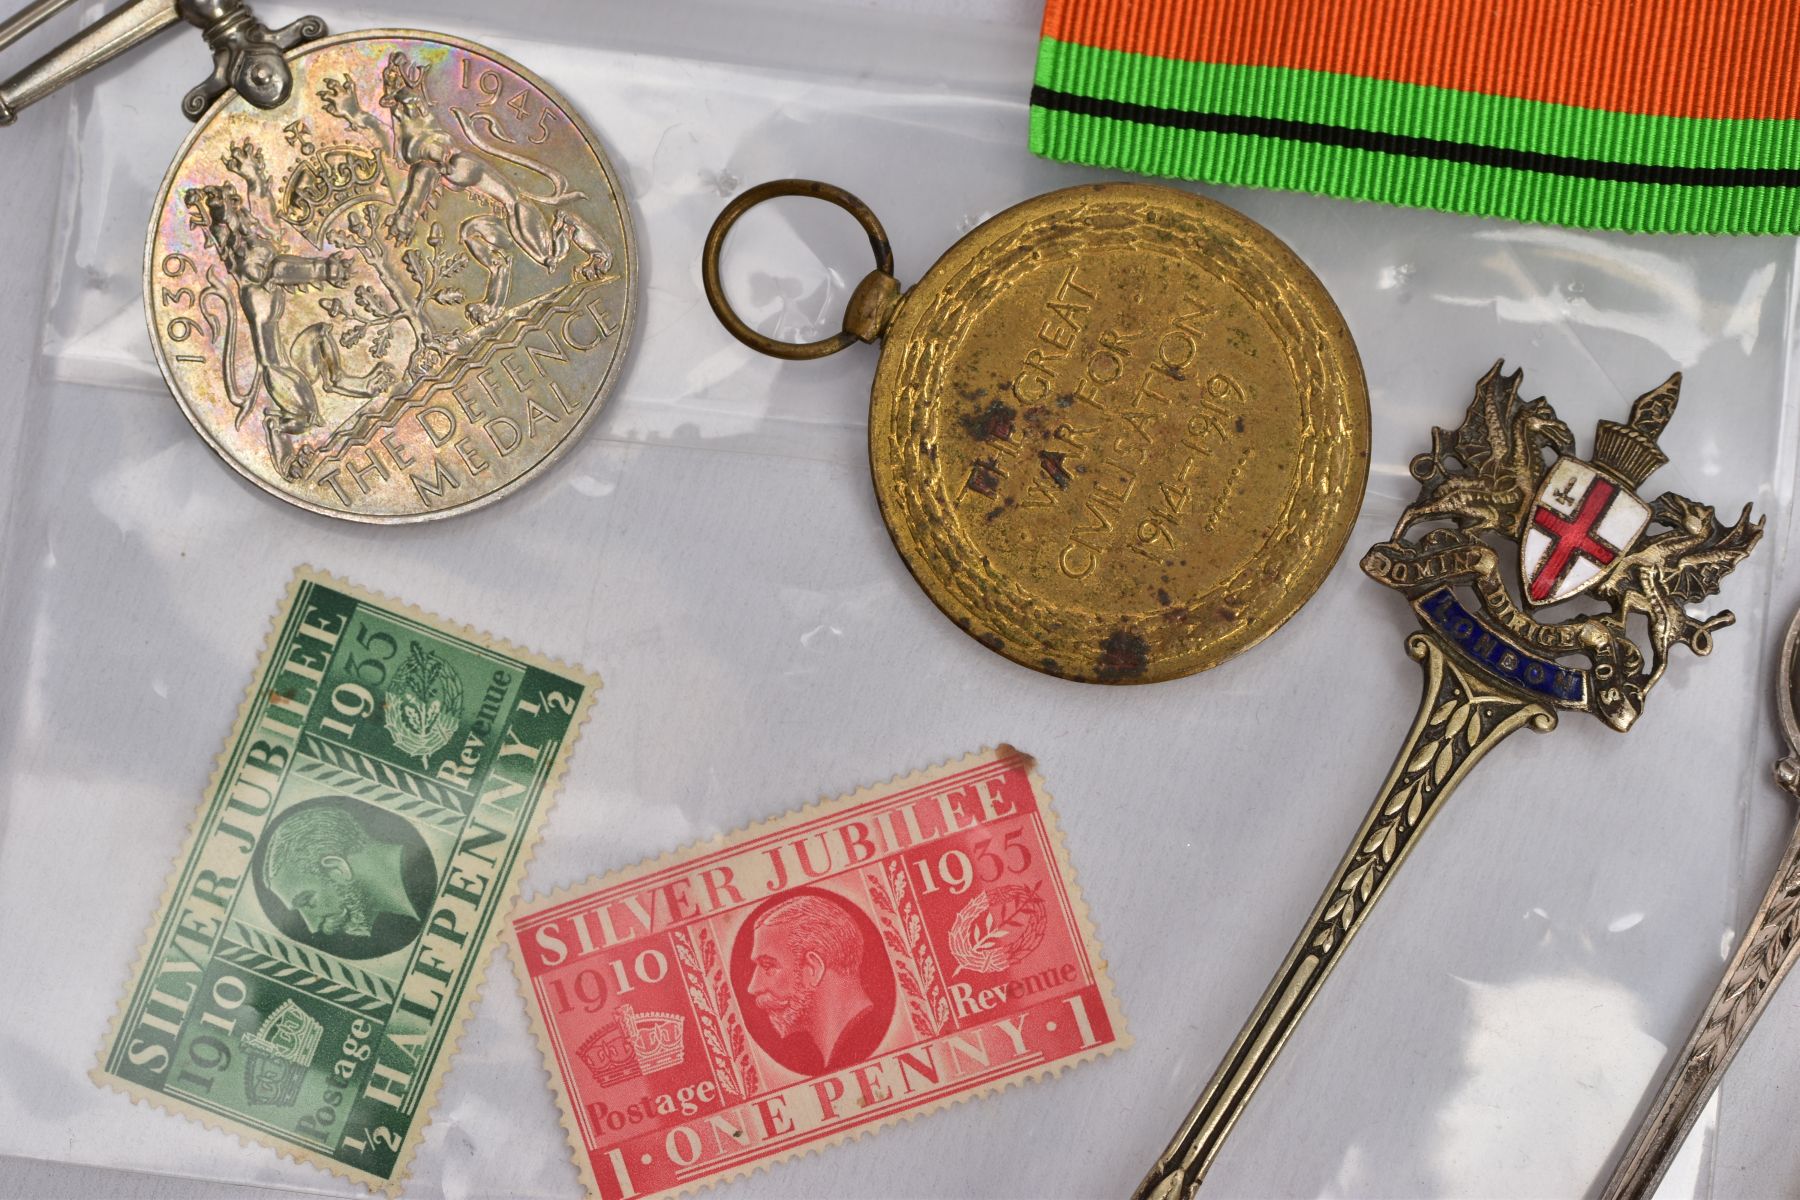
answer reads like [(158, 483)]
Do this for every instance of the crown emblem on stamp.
[(633, 1044)]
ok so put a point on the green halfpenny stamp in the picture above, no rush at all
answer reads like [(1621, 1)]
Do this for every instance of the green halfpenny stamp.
[(311, 966)]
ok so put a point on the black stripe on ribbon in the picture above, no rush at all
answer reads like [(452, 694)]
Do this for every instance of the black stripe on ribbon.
[(1434, 149)]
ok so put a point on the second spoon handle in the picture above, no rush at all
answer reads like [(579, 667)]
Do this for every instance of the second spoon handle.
[(1767, 952)]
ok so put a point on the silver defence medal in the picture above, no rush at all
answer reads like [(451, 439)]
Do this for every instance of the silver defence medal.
[(389, 276)]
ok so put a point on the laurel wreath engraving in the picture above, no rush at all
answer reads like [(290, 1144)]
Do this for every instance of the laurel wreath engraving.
[(903, 933), (360, 786), (997, 928), (721, 1026), (738, 1038), (1759, 964), (422, 707), (706, 1013), (1462, 724), (373, 780)]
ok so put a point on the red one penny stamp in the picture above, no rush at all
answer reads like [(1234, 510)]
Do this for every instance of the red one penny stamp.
[(822, 973)]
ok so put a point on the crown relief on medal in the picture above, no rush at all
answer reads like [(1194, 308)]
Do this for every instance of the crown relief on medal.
[(1581, 529), (334, 194)]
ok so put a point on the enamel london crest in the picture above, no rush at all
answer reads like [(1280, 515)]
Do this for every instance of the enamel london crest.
[(1583, 529), (1578, 522), (1586, 513)]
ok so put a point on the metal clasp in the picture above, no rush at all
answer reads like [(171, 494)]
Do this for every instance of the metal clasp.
[(249, 58)]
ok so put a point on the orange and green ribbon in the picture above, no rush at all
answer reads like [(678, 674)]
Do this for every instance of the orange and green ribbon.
[(1655, 116)]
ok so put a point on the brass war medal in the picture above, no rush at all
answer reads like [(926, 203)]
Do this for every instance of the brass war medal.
[(1506, 484), (1118, 432), (390, 273)]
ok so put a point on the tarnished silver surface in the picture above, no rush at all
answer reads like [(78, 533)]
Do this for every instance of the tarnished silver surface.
[(248, 56), (400, 293), (1765, 954)]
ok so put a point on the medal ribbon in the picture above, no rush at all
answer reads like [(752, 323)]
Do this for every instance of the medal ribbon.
[(1678, 116)]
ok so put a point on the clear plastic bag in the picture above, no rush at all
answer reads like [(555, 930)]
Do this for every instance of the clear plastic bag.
[(712, 548)]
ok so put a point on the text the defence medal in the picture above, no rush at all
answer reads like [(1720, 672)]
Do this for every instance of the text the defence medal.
[(1506, 481), (390, 274), (1119, 432)]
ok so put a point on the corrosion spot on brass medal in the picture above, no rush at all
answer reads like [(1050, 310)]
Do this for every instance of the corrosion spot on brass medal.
[(1102, 415), (1123, 658)]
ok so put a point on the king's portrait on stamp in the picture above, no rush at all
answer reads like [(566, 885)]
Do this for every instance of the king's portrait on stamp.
[(820, 991), (345, 877)]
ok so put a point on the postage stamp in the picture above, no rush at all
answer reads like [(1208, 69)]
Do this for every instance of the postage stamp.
[(825, 972), (307, 975)]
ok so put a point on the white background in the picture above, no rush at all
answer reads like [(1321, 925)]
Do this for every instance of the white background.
[(712, 548)]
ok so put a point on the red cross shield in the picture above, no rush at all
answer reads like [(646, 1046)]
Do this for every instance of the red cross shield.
[(1580, 523)]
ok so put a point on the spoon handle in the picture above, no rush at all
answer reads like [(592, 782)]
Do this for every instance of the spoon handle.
[(1460, 719), (1768, 950)]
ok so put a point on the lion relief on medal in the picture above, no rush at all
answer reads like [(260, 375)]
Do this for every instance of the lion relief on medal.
[(391, 242), (1509, 476)]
